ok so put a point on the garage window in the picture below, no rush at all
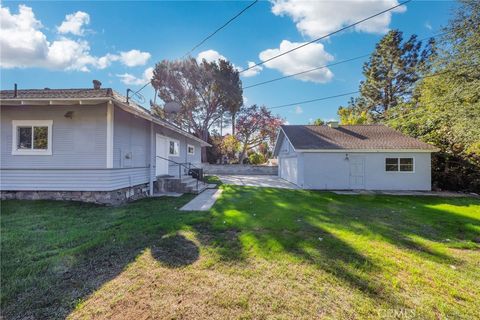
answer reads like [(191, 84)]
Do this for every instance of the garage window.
[(399, 164)]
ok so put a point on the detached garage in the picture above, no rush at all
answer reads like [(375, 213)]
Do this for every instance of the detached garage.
[(368, 157)]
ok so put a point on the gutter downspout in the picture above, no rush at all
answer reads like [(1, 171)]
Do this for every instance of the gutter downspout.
[(152, 160)]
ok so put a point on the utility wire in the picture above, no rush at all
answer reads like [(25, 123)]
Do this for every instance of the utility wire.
[(348, 93), (314, 100), (325, 36), (328, 65), (209, 36), (306, 71), (221, 27)]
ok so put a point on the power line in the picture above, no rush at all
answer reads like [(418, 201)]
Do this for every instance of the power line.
[(314, 100), (329, 65), (208, 37), (348, 93), (306, 71), (221, 27), (325, 36)]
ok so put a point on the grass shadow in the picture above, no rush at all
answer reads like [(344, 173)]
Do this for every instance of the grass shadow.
[(175, 251), (55, 254), (48, 266)]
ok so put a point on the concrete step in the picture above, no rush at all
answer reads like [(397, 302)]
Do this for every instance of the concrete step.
[(188, 180), (201, 187), (186, 184)]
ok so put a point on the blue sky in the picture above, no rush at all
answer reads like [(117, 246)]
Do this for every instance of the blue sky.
[(68, 44)]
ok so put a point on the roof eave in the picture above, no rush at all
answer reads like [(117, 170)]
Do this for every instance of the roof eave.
[(93, 101), (126, 107), (52, 101), (371, 150)]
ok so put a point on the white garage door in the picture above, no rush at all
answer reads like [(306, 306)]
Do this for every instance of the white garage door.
[(289, 169)]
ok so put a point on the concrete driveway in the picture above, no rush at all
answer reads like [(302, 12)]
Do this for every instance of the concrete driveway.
[(257, 181)]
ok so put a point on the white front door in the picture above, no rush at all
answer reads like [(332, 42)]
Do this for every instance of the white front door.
[(357, 172), (161, 165)]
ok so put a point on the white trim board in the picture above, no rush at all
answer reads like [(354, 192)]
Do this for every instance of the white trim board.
[(32, 123), (110, 124)]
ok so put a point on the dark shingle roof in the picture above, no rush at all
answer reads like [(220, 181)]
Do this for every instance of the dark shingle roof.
[(57, 93), (351, 137)]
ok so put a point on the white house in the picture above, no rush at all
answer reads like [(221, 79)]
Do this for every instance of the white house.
[(89, 145), (337, 157)]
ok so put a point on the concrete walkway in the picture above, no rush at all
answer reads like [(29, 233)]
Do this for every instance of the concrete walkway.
[(204, 201), (265, 181), (444, 194)]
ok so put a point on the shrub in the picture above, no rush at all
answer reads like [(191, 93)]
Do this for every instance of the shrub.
[(256, 158)]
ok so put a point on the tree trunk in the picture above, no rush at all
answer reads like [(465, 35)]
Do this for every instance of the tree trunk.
[(204, 149), (242, 155), (233, 124), (221, 126)]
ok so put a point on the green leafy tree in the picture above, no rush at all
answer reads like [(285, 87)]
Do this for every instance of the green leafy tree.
[(390, 76), (233, 98), (205, 91), (256, 125), (317, 122), (445, 108), (354, 113), (230, 146)]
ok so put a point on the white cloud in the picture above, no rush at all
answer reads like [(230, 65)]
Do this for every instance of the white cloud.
[(317, 18), (74, 23), (298, 110), (253, 71), (210, 56), (24, 45), (134, 58), (428, 26), (20, 40), (130, 79), (309, 57)]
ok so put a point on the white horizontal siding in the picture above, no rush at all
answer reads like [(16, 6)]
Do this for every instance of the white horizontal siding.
[(71, 179), (332, 171), (78, 142)]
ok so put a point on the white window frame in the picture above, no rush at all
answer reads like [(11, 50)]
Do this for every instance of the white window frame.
[(177, 153), (188, 152), (31, 123), (398, 163)]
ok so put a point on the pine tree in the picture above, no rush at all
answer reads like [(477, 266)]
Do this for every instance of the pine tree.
[(391, 72)]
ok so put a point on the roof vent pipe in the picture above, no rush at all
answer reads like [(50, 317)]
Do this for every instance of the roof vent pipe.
[(15, 90), (332, 124), (96, 84)]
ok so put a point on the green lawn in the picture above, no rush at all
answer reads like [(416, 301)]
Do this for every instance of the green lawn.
[(258, 254)]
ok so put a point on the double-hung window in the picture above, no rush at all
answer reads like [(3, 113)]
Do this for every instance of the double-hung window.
[(399, 164), (173, 148), (32, 137)]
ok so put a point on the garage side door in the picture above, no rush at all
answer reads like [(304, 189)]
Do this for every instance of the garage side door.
[(289, 169)]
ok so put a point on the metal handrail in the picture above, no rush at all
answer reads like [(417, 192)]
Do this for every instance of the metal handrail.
[(180, 165)]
